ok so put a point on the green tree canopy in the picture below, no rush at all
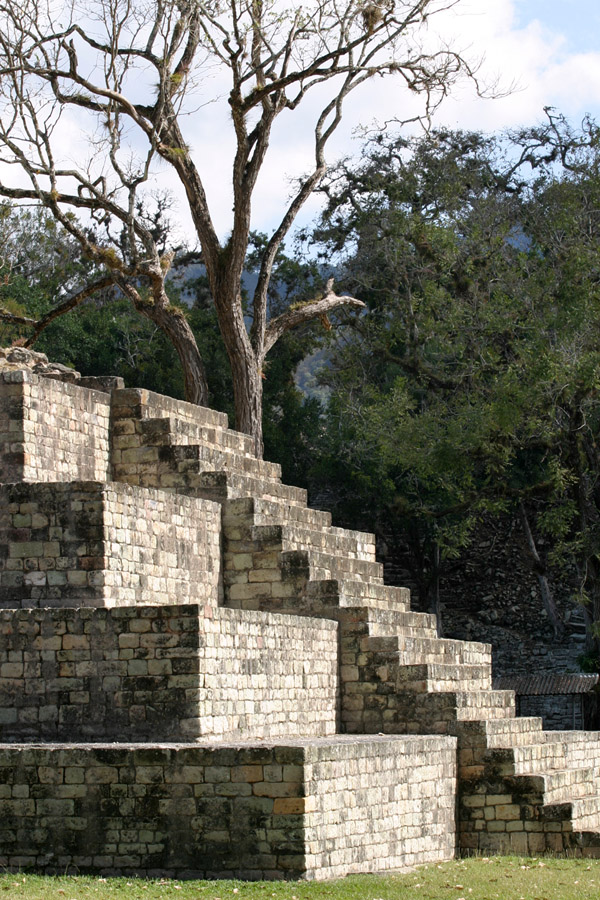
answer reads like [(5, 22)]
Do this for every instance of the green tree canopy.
[(471, 385)]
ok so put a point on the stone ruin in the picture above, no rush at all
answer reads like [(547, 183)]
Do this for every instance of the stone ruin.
[(201, 676)]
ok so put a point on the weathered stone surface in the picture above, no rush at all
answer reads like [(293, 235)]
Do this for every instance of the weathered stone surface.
[(164, 673), (19, 358), (98, 544), (293, 809), (160, 583), (52, 431)]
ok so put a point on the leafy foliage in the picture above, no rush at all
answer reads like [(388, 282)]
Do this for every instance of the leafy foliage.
[(472, 383)]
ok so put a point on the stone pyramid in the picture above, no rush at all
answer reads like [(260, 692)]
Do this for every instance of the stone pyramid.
[(201, 676)]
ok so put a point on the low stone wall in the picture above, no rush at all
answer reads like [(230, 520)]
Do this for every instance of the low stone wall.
[(164, 673), (52, 431), (380, 804), (229, 810), (90, 544)]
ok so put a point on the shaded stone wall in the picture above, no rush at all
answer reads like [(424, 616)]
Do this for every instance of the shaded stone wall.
[(90, 544), (164, 673), (558, 711), (491, 594), (229, 810), (52, 431)]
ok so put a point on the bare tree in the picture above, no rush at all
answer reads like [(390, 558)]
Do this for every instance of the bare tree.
[(128, 69)]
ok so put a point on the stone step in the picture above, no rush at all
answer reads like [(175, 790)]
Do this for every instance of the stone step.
[(339, 543), (221, 485), (585, 813), (566, 785), (556, 754), (383, 622), (432, 650), (322, 598), (167, 431), (441, 678), (324, 566), (334, 542), (201, 458), (508, 733), (346, 592), (268, 512), (471, 705), (138, 403), (575, 737), (451, 712)]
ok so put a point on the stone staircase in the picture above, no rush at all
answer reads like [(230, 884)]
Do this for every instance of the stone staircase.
[(521, 789), (268, 618), (162, 443), (528, 791)]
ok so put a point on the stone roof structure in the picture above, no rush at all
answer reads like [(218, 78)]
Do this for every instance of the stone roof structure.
[(539, 685)]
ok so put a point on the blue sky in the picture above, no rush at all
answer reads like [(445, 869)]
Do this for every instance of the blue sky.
[(578, 21)]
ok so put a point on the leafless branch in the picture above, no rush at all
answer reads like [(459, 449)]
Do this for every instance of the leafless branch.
[(305, 312), (127, 72)]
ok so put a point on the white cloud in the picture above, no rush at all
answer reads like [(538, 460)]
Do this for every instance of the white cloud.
[(534, 58)]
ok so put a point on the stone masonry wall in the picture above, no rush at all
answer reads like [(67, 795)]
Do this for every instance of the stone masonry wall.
[(90, 544), (228, 810), (52, 431), (164, 673), (406, 799), (557, 711)]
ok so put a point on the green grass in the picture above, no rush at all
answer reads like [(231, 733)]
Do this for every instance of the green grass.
[(497, 878)]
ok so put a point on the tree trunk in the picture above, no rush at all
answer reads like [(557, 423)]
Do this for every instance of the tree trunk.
[(540, 570), (248, 400), (435, 604), (246, 363), (177, 329)]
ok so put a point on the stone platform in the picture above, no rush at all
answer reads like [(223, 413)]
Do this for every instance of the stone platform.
[(273, 708), (317, 808)]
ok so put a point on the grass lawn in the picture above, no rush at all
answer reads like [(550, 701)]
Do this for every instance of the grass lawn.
[(497, 878)]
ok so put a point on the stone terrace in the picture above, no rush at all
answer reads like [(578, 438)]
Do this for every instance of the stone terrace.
[(277, 710)]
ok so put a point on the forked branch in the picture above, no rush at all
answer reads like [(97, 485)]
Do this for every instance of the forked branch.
[(305, 312)]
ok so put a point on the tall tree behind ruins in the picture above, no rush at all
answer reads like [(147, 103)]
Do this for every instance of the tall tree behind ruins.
[(126, 73)]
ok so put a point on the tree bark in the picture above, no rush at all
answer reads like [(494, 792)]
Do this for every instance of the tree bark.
[(177, 329), (540, 570), (248, 400)]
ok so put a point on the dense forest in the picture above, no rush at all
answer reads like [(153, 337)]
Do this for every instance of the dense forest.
[(468, 387)]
